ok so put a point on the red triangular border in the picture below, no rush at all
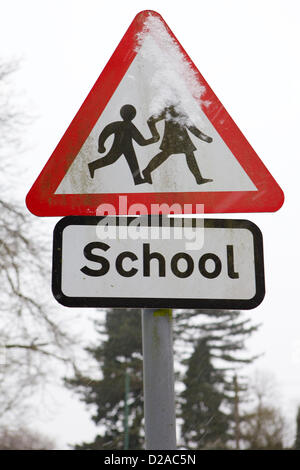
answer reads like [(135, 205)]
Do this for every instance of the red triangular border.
[(42, 201)]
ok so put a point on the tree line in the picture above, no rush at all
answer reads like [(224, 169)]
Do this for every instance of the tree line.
[(215, 407)]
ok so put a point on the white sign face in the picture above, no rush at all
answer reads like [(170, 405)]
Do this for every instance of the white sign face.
[(157, 262), (215, 160)]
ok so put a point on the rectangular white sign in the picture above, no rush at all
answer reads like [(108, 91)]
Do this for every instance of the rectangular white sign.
[(157, 262)]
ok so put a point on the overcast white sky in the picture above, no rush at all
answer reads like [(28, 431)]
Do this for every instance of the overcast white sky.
[(249, 54)]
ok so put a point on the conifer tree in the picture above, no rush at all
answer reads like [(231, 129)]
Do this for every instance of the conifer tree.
[(236, 396), (204, 423), (208, 409), (212, 341), (118, 354)]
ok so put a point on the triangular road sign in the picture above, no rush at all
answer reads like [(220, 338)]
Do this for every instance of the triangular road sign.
[(152, 131)]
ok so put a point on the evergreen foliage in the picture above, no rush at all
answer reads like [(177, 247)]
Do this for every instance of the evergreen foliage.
[(208, 343), (119, 353), (209, 402), (204, 422)]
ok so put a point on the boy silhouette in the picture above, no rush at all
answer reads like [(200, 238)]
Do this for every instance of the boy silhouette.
[(124, 133), (175, 140)]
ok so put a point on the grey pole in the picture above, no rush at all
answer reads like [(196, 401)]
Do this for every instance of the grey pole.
[(159, 400)]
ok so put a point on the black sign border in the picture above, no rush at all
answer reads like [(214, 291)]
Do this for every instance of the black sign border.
[(119, 302)]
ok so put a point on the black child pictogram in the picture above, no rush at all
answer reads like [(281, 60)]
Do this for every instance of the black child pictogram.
[(175, 140), (124, 133)]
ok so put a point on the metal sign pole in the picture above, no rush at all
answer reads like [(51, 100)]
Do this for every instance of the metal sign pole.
[(159, 398)]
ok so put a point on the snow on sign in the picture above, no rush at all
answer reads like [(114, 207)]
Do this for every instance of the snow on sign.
[(156, 261), (152, 137)]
